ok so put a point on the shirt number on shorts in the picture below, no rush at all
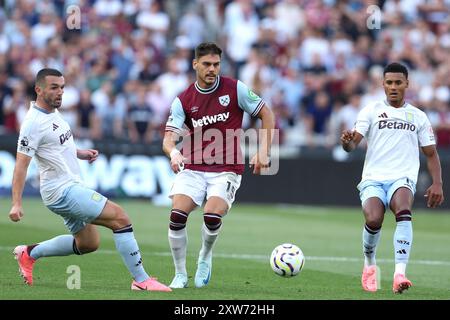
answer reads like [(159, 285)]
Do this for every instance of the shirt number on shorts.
[(231, 190)]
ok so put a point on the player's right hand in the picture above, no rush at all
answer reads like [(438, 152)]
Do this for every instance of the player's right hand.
[(434, 195), (177, 161), (16, 213), (347, 136), (260, 162)]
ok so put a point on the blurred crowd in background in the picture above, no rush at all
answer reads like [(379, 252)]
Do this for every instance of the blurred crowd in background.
[(316, 63)]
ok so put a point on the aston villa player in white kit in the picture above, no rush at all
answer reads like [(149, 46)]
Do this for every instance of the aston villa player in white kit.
[(45, 136), (211, 109), (394, 130)]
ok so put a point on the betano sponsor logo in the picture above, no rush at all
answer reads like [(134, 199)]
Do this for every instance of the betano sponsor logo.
[(206, 120), (65, 137), (397, 125)]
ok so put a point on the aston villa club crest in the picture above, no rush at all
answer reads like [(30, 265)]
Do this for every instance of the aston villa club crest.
[(224, 100), (409, 117)]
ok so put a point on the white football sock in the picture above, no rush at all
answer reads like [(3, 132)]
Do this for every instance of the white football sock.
[(208, 239), (403, 237), (370, 239), (178, 245), (58, 246)]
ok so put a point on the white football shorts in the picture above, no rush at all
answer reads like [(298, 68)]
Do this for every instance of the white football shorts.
[(199, 184)]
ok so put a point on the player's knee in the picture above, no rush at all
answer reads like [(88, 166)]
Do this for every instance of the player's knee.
[(213, 221), (374, 222), (178, 219), (374, 219), (121, 217)]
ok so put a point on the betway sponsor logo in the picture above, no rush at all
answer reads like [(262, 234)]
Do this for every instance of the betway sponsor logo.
[(206, 120), (398, 125)]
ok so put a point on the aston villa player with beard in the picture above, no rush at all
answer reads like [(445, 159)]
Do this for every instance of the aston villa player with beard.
[(211, 163), (47, 137)]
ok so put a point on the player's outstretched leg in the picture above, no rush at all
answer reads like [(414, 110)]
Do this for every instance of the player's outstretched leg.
[(210, 232), (26, 256), (114, 217), (178, 244)]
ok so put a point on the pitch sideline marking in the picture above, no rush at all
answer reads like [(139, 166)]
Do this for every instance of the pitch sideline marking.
[(264, 258)]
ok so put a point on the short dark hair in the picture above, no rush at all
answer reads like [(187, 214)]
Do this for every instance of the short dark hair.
[(206, 48), (396, 67), (40, 77)]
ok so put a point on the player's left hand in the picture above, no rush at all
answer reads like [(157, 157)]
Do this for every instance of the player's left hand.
[(259, 163), (90, 155), (434, 195)]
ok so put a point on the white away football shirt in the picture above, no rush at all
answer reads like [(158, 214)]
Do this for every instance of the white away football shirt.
[(48, 138), (394, 136)]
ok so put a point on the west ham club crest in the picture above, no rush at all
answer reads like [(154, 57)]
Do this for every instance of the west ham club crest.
[(224, 100)]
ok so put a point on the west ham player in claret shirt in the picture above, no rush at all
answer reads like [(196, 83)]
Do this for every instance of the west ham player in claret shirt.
[(394, 130), (211, 163)]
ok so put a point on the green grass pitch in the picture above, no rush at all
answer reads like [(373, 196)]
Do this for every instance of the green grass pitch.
[(329, 237)]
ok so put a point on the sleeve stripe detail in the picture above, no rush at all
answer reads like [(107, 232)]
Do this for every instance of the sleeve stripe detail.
[(27, 153), (174, 129), (258, 108)]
